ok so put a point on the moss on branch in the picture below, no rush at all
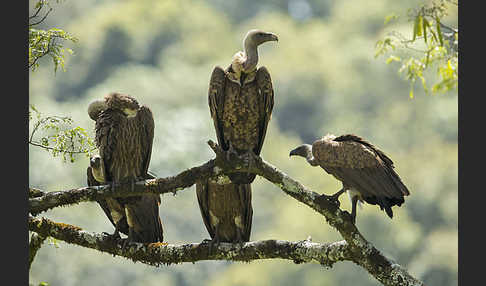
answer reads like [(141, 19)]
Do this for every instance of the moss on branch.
[(157, 254), (355, 247)]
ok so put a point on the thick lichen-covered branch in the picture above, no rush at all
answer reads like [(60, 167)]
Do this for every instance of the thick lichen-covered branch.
[(165, 254), (181, 181), (359, 250)]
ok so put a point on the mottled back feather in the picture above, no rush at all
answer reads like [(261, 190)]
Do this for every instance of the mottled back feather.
[(362, 167)]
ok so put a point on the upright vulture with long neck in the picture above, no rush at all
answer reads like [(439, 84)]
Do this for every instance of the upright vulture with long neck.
[(240, 101), (367, 174), (124, 136)]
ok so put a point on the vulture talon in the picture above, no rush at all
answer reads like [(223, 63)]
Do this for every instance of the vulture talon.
[(113, 236)]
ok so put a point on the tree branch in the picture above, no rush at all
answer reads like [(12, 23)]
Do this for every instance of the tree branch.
[(34, 245), (41, 20), (360, 251), (157, 254), (161, 185)]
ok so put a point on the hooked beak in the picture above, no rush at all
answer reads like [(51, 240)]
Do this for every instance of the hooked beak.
[(293, 152), (273, 37)]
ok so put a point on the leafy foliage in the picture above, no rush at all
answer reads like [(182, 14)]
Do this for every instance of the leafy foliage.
[(59, 137), (46, 42), (434, 45)]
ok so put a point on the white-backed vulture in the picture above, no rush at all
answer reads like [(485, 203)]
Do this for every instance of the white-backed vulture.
[(240, 100), (367, 174)]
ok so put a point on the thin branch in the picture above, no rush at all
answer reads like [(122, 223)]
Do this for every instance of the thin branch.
[(157, 254), (38, 10), (35, 193), (41, 20), (37, 144), (35, 244), (448, 27)]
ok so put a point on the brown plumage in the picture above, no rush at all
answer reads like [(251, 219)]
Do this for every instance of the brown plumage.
[(226, 210), (114, 210), (240, 101), (124, 136), (365, 171)]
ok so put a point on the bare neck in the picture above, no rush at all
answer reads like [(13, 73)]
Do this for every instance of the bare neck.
[(309, 157), (311, 160), (251, 53)]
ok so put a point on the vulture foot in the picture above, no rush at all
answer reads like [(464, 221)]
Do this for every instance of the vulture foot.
[(248, 159), (125, 242), (215, 241), (231, 152), (113, 236), (239, 236), (335, 197)]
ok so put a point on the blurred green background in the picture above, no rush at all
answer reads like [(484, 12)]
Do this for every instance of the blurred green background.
[(325, 78)]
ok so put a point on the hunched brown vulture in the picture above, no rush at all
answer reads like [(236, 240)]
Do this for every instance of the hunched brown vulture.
[(240, 101), (124, 137), (367, 174)]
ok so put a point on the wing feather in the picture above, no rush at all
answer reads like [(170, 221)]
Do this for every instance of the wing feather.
[(361, 166), (244, 191), (147, 135), (106, 137), (216, 102), (202, 199), (264, 82)]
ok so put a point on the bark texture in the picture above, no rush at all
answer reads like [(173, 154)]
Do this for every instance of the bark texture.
[(354, 248), (160, 253), (35, 244)]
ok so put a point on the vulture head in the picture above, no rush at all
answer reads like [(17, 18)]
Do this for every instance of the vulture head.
[(114, 100), (302, 151), (249, 59), (257, 37), (97, 168)]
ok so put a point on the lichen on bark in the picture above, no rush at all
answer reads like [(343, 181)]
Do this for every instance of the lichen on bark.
[(354, 248)]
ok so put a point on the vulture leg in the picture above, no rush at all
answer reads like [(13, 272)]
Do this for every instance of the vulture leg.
[(230, 151), (239, 235), (115, 235), (248, 158), (215, 240), (354, 202)]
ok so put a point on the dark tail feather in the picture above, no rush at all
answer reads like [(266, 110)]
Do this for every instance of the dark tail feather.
[(385, 204), (144, 220), (389, 212), (242, 178)]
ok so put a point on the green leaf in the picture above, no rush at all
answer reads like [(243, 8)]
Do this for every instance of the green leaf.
[(393, 58), (417, 28), (390, 18), (425, 23), (439, 32)]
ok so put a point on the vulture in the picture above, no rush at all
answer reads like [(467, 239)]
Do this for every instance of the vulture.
[(124, 137), (240, 101), (366, 173)]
